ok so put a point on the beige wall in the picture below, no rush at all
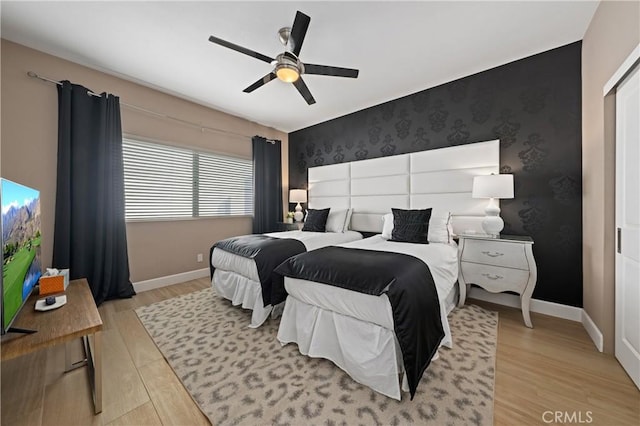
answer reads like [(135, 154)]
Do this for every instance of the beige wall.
[(29, 145), (613, 33)]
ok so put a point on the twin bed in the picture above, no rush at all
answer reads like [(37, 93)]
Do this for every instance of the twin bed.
[(236, 277), (383, 338)]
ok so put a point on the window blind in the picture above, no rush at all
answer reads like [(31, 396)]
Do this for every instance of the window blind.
[(224, 186), (163, 182)]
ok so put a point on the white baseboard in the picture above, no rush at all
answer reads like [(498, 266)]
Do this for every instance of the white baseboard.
[(170, 280), (540, 306), (592, 330)]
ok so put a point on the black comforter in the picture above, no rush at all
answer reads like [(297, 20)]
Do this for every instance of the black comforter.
[(267, 252), (405, 279)]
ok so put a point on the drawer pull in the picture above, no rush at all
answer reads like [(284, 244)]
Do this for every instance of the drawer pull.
[(493, 277), (493, 253)]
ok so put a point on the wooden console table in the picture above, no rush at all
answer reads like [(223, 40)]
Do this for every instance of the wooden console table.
[(79, 318)]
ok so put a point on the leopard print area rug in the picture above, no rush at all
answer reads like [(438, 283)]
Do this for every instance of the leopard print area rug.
[(239, 375)]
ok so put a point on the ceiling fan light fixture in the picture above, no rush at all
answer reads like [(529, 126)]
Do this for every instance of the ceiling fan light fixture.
[(287, 73)]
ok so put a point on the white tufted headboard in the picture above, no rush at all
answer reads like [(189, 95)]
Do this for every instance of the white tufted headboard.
[(438, 178)]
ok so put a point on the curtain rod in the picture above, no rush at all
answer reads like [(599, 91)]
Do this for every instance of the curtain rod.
[(157, 114)]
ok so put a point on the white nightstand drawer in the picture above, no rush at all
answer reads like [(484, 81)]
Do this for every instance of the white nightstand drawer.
[(498, 253), (494, 278)]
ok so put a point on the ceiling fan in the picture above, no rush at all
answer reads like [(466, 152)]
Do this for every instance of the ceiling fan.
[(286, 66)]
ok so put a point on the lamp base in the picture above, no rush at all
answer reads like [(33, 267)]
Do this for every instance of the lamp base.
[(492, 223), (298, 215)]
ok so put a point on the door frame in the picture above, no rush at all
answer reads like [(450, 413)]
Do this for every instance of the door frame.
[(630, 65), (621, 73)]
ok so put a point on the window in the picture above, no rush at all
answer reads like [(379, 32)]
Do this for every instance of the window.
[(162, 182)]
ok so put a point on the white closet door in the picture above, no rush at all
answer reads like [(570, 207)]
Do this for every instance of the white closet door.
[(628, 225)]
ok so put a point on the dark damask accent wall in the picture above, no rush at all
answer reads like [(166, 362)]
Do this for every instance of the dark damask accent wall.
[(532, 105)]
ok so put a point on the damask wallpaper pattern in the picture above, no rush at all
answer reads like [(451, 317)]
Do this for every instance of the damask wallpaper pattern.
[(532, 105)]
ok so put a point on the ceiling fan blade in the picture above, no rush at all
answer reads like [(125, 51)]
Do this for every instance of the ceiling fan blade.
[(298, 31), (332, 71), (304, 91), (264, 80), (240, 49)]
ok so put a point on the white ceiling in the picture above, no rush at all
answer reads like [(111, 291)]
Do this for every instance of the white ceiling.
[(399, 47)]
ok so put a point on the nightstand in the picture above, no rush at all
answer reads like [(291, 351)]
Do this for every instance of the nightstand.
[(498, 264), (293, 226)]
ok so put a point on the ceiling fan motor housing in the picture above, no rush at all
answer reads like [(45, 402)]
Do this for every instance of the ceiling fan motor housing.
[(289, 61)]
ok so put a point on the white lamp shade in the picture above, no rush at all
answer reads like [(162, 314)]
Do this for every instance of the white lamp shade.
[(492, 186), (297, 196)]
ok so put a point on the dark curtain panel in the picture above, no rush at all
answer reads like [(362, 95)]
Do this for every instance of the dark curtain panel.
[(267, 185), (90, 235)]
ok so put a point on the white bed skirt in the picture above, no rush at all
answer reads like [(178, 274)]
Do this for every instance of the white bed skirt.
[(240, 290), (367, 352)]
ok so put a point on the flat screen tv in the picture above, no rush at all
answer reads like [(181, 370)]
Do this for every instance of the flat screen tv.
[(21, 237)]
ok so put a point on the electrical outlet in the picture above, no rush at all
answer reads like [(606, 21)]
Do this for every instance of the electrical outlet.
[(199, 257)]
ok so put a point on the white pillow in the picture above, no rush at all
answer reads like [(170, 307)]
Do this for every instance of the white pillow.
[(387, 226), (338, 220), (347, 223), (439, 227)]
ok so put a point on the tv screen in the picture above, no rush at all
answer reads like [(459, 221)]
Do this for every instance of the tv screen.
[(21, 236)]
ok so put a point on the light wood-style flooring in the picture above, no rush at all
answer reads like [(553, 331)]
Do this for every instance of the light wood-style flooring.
[(553, 367)]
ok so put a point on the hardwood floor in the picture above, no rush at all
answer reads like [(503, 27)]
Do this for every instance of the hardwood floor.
[(555, 367), (551, 370)]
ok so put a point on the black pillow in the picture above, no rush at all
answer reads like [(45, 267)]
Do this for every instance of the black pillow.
[(411, 226), (316, 220)]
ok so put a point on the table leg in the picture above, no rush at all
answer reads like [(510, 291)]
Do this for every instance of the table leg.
[(524, 305), (93, 361), (94, 358), (97, 372), (462, 288), (69, 362)]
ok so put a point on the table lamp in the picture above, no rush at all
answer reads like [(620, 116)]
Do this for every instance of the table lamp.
[(492, 187), (298, 196)]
